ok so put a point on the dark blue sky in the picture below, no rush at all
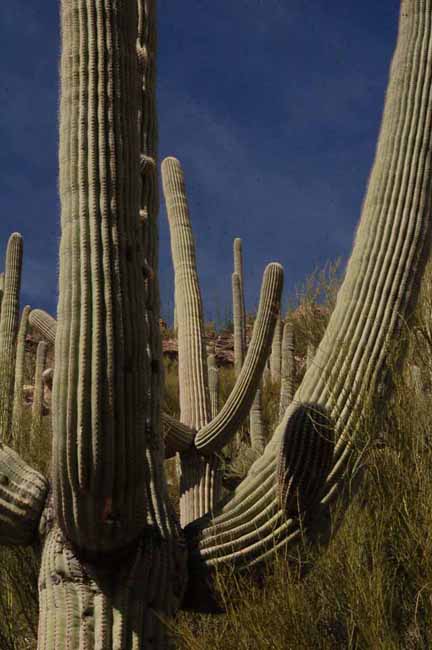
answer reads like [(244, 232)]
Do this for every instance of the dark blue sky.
[(272, 106)]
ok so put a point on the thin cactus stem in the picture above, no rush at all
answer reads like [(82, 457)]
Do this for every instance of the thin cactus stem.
[(19, 378), (213, 380), (276, 352), (37, 406), (200, 485), (239, 350), (288, 368), (238, 268), (257, 434), (219, 431), (378, 294), (9, 322)]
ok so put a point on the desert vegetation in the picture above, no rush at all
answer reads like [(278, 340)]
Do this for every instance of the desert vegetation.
[(298, 513)]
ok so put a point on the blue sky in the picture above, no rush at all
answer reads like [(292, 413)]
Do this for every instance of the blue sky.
[(272, 106)]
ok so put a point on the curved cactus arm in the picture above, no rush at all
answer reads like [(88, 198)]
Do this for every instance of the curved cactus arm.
[(44, 323), (220, 430), (178, 436), (378, 292), (23, 492), (19, 374), (9, 324)]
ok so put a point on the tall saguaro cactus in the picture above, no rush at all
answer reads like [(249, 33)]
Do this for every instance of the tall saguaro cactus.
[(112, 553), (9, 323), (200, 478), (109, 491), (379, 289)]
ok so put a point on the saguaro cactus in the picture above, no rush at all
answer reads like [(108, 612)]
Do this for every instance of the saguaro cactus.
[(379, 289), (287, 368), (200, 478), (9, 330), (19, 373), (276, 352), (37, 407), (112, 553)]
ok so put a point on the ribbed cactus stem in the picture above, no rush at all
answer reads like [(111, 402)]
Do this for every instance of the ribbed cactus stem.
[(37, 407), (213, 380), (22, 497), (110, 498), (178, 436), (239, 349), (200, 481), (378, 294), (276, 352), (219, 431), (288, 368), (238, 268), (304, 458), (257, 434), (2, 279), (44, 323), (9, 323), (19, 376)]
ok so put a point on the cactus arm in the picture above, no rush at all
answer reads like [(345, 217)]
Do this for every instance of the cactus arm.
[(37, 407), (193, 379), (288, 368), (238, 268), (199, 478), (220, 430), (379, 290), (9, 322), (275, 356), (238, 323), (19, 374), (256, 422), (213, 380), (23, 492), (178, 436), (44, 323)]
